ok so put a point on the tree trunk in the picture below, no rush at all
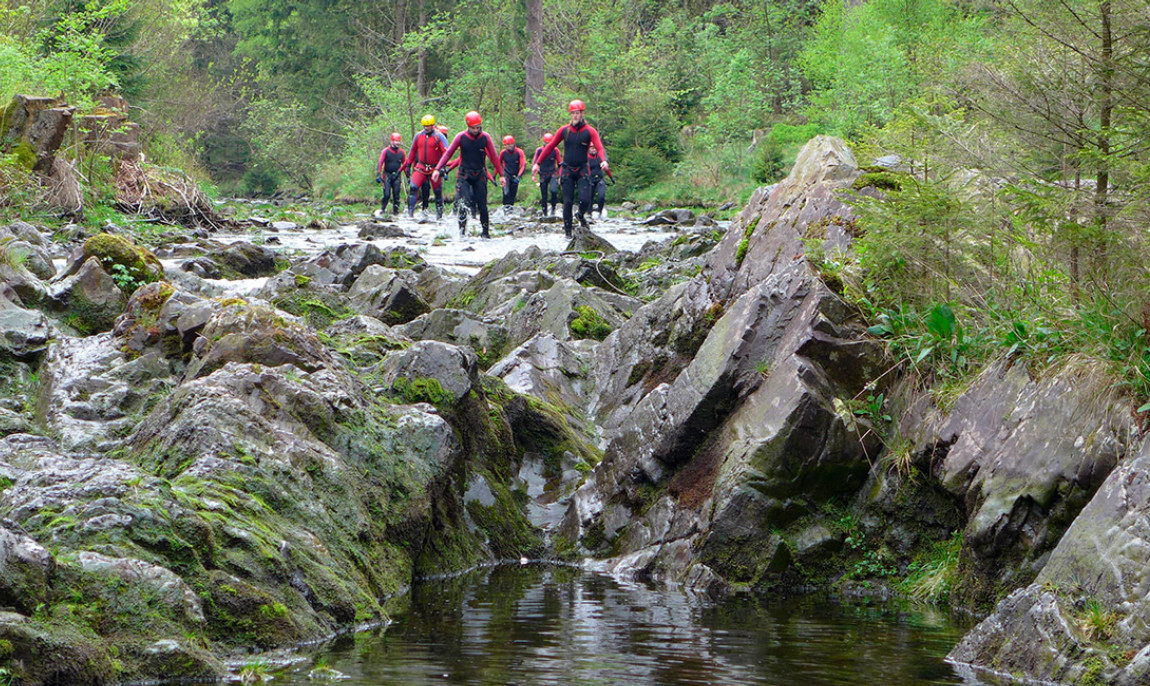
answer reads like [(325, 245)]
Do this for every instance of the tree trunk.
[(421, 68), (533, 93), (1105, 115)]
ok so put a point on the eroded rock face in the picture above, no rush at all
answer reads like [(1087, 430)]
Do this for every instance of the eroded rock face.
[(1024, 456), (1087, 610)]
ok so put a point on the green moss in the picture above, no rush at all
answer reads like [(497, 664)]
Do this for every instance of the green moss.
[(589, 324), (302, 281), (741, 250), (24, 155), (421, 390), (882, 180), (509, 534), (751, 226), (319, 308)]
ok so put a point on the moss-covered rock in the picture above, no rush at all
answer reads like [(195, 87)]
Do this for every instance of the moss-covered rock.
[(130, 265)]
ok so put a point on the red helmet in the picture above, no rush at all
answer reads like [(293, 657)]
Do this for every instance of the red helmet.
[(473, 118), (396, 138), (509, 140), (576, 106), (442, 129), (547, 137)]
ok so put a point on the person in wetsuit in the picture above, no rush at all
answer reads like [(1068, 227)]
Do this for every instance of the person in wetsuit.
[(546, 176), (388, 171), (514, 164), (577, 138), (598, 182), (471, 184), (427, 149)]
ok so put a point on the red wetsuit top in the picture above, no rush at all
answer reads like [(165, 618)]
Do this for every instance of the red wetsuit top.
[(471, 151), (576, 140), (514, 161), (546, 166), (426, 149), (391, 160)]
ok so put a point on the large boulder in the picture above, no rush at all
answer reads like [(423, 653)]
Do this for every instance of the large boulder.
[(23, 333), (551, 369), (244, 260), (129, 265), (567, 310), (88, 299), (242, 332), (484, 335), (430, 371), (388, 295)]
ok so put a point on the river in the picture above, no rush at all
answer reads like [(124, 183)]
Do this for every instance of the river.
[(540, 624)]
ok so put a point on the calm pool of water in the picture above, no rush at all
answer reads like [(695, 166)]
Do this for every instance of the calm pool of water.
[(551, 625)]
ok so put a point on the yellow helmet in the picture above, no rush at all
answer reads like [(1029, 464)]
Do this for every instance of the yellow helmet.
[(427, 120)]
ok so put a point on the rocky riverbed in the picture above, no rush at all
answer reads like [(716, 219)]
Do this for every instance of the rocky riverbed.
[(223, 443)]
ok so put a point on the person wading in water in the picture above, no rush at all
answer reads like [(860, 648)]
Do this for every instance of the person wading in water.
[(426, 149), (514, 164), (546, 177), (577, 138), (390, 167), (471, 185)]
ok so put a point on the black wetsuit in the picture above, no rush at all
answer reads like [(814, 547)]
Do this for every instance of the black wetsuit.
[(598, 185), (573, 176), (548, 179), (393, 159), (513, 163), (471, 184)]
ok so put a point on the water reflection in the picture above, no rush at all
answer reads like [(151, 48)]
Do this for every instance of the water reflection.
[(548, 625)]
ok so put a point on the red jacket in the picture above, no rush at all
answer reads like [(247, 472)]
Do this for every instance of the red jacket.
[(426, 149)]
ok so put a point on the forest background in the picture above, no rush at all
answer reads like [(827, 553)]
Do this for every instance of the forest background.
[(1016, 133)]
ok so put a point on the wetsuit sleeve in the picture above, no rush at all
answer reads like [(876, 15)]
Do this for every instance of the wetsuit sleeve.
[(554, 142), (535, 158), (522, 161), (598, 143), (558, 159), (449, 152), (410, 161), (454, 163), (379, 167), (442, 139), (494, 156)]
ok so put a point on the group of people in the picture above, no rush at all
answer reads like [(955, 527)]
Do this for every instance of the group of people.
[(576, 176)]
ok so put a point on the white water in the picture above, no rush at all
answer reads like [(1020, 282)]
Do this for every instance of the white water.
[(440, 243)]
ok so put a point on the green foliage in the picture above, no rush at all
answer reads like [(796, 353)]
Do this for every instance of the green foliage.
[(932, 574)]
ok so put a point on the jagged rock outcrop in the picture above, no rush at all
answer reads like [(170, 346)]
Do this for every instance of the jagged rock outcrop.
[(735, 430), (1023, 456)]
